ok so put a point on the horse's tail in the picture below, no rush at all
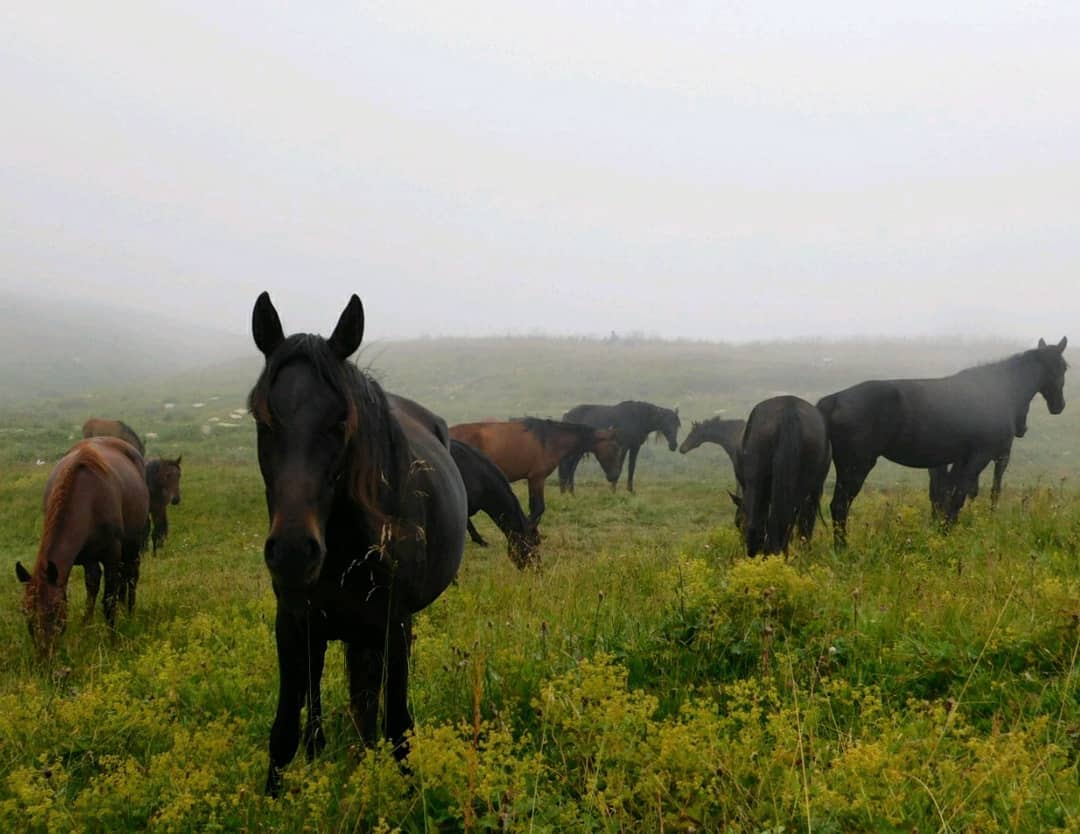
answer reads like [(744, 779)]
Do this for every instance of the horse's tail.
[(784, 500)]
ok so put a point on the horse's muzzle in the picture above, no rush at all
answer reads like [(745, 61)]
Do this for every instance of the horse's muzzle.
[(295, 562), (175, 501)]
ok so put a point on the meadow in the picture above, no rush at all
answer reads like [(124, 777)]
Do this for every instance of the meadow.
[(647, 677)]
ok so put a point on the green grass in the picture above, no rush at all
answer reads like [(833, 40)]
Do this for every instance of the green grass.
[(647, 678)]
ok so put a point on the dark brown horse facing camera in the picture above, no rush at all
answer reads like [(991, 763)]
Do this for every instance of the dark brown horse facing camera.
[(367, 527), (96, 505)]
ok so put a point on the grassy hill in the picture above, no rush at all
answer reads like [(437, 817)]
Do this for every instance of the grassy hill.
[(197, 411)]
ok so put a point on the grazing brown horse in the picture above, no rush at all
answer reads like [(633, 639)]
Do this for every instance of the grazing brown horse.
[(96, 504), (99, 427), (163, 482), (530, 449)]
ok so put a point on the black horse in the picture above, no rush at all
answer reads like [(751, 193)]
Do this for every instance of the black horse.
[(633, 421), (424, 416), (488, 489), (782, 467), (962, 421), (367, 526), (728, 433)]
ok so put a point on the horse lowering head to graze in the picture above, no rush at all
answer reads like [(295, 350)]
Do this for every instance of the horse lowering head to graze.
[(633, 421), (367, 517), (96, 505), (489, 491), (163, 481), (530, 449), (784, 461), (99, 427), (961, 422)]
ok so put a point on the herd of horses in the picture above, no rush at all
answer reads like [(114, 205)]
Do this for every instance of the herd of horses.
[(369, 495)]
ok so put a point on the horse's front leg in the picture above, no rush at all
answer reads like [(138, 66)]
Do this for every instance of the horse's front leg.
[(631, 466), (398, 719), (314, 740), (292, 633), (1000, 464), (536, 496)]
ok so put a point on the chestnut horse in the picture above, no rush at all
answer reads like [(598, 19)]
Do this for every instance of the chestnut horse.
[(99, 427), (96, 505), (163, 481), (530, 449)]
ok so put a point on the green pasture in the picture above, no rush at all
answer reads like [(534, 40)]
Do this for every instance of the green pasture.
[(647, 677)]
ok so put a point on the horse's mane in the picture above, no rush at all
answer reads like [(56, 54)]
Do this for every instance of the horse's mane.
[(544, 429), (85, 457), (1009, 362), (378, 452)]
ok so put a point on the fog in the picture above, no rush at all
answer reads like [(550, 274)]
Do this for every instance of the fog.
[(730, 172)]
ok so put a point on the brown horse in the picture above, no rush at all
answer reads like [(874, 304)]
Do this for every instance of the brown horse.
[(100, 427), (163, 482), (96, 506), (530, 449)]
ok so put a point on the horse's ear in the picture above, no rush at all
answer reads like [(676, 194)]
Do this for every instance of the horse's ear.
[(349, 331), (735, 499), (51, 572), (266, 326), (177, 461), (1042, 343), (21, 572), (1061, 345)]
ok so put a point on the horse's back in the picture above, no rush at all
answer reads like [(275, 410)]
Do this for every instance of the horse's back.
[(100, 427), (425, 416), (509, 445), (443, 516)]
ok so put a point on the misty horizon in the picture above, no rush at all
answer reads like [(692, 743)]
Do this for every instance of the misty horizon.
[(730, 175)]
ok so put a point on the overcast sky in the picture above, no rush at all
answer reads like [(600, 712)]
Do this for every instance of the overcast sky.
[(711, 170)]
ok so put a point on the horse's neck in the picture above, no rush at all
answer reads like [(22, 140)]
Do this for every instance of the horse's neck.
[(1026, 377), (726, 434), (568, 442)]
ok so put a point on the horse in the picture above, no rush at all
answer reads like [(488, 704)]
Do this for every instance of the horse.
[(100, 427), (632, 421), (728, 433), (783, 461), (96, 505), (531, 448), (366, 527), (163, 482), (963, 421), (425, 417), (488, 489)]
